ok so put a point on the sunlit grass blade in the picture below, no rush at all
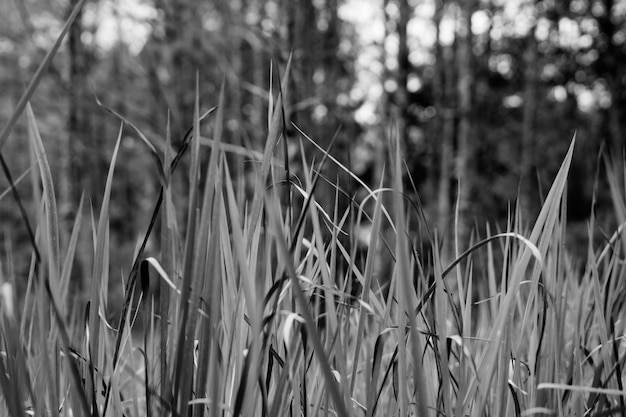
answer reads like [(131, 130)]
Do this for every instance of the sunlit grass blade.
[(68, 262), (169, 237), (49, 198), (184, 353), (51, 246), (100, 270), (273, 135), (405, 294), (372, 249), (541, 236), (208, 259)]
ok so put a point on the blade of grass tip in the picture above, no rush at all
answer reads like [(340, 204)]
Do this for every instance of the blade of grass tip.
[(282, 88), (51, 215), (208, 252), (540, 236), (34, 82), (372, 249), (406, 298), (270, 144), (144, 139), (50, 228), (102, 245), (68, 262), (331, 382), (213, 169)]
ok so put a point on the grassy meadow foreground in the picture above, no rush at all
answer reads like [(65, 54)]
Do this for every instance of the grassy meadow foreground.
[(265, 308), (255, 291), (254, 299)]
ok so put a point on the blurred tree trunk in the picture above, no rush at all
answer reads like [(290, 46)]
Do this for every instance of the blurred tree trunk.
[(465, 149), (402, 76), (445, 94), (260, 69), (301, 40), (529, 121), (183, 30), (381, 149), (235, 16), (330, 87), (396, 100), (78, 158), (611, 57), (73, 179)]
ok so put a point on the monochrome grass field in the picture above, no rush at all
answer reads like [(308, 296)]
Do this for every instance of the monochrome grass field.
[(257, 315)]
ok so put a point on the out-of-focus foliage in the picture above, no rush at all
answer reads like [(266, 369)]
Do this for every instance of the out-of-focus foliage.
[(539, 71)]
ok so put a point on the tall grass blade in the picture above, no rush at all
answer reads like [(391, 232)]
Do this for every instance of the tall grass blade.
[(208, 257), (51, 237), (100, 269), (66, 270), (372, 249), (405, 294), (184, 360), (541, 236), (273, 136), (168, 256), (51, 214)]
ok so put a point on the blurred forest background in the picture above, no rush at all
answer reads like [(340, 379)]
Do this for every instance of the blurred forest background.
[(488, 92)]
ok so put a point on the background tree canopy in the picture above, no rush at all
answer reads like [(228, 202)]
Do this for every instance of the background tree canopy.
[(487, 93)]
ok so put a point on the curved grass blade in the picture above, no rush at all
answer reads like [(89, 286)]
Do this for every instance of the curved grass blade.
[(144, 139), (102, 247), (51, 214)]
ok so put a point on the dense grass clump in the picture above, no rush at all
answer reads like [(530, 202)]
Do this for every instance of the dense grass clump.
[(236, 326), (255, 312)]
